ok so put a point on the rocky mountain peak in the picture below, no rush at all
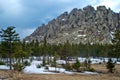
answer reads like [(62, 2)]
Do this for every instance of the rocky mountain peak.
[(80, 25), (101, 8), (88, 8)]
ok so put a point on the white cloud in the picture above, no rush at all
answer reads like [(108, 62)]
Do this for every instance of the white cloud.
[(31, 13), (25, 32), (28, 31), (113, 4), (93, 2), (11, 7)]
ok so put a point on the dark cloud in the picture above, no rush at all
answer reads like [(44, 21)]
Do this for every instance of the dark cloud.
[(27, 15)]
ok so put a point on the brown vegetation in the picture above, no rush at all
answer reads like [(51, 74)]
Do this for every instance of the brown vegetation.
[(104, 75)]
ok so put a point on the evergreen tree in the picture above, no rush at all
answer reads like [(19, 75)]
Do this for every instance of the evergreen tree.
[(110, 65), (9, 36), (77, 65), (44, 61), (87, 64), (116, 44), (20, 54), (54, 60)]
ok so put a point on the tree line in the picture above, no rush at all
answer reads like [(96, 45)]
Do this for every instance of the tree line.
[(12, 48)]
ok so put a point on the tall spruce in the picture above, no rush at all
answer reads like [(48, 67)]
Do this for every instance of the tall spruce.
[(9, 36), (116, 44)]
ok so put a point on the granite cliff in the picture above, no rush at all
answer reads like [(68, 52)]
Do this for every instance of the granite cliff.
[(85, 25)]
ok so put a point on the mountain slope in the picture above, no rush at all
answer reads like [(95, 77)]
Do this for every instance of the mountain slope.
[(80, 25)]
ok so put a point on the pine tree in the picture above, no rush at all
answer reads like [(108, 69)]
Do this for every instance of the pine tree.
[(44, 62), (20, 53), (110, 65), (77, 65), (87, 64), (54, 60), (116, 44), (9, 36)]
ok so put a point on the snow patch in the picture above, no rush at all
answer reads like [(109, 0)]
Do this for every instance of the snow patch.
[(81, 59), (61, 70), (68, 72), (87, 72), (112, 32), (96, 61), (75, 38), (4, 67), (91, 43), (117, 62), (98, 31), (34, 62), (63, 19), (61, 62), (81, 35), (80, 30), (34, 70), (26, 41)]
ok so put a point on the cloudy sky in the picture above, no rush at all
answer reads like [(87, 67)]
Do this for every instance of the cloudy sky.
[(27, 15)]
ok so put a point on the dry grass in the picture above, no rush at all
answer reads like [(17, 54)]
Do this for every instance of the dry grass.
[(100, 68), (72, 77)]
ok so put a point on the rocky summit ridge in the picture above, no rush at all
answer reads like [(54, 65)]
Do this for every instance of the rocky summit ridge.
[(85, 25)]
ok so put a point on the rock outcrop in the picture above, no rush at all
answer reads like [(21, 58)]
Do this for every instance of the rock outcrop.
[(85, 25)]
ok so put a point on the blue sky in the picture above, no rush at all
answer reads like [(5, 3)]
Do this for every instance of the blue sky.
[(27, 15)]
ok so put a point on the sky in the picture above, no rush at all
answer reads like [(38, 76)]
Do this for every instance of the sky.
[(27, 15)]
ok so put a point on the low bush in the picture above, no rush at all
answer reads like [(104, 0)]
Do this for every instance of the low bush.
[(110, 65), (44, 62), (38, 66), (68, 67), (92, 70), (2, 63), (26, 63), (53, 64), (77, 65), (46, 67), (18, 67)]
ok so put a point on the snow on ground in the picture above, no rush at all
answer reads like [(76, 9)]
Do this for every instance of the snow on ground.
[(4, 67), (96, 61), (34, 62), (51, 70), (117, 62), (88, 72), (81, 59), (63, 19), (61, 70), (61, 62), (34, 70)]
